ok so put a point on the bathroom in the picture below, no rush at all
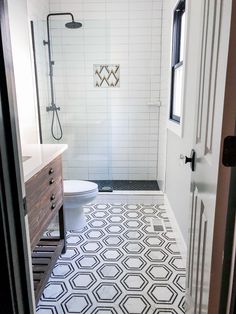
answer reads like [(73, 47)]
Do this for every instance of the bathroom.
[(108, 105)]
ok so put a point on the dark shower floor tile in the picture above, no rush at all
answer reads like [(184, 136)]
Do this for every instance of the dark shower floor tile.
[(133, 185)]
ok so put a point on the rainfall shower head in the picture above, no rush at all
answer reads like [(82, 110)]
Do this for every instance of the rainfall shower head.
[(73, 25)]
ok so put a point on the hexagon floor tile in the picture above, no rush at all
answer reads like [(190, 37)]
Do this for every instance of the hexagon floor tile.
[(118, 265)]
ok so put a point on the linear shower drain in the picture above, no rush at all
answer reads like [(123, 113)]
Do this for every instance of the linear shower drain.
[(158, 225)]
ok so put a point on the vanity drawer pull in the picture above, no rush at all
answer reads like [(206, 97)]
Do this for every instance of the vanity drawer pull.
[(51, 171), (53, 197), (51, 181), (53, 206)]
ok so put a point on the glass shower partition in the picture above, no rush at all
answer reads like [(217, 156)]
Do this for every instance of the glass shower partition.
[(85, 108)]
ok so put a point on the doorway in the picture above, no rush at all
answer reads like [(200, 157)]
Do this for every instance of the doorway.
[(218, 3)]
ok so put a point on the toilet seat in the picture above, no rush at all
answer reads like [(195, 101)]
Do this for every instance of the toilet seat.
[(78, 187)]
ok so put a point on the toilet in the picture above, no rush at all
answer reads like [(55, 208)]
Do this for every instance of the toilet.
[(76, 194)]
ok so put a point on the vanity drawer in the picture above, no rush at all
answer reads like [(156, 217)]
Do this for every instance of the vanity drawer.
[(44, 197), (45, 178)]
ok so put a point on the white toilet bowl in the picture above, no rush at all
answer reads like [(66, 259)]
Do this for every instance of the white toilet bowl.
[(76, 194)]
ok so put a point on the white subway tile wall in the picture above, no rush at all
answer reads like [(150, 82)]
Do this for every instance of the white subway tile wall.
[(112, 133)]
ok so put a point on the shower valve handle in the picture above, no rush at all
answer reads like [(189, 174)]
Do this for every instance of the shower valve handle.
[(53, 108)]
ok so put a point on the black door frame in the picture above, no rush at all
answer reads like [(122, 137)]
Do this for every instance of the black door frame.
[(16, 295)]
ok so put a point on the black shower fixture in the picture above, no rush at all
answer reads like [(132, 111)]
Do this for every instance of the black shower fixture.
[(71, 25)]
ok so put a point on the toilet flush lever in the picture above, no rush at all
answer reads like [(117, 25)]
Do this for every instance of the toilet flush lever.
[(191, 160)]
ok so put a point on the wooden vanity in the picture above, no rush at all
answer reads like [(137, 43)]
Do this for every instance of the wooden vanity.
[(44, 200)]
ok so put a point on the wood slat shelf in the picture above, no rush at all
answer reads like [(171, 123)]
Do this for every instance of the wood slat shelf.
[(44, 258)]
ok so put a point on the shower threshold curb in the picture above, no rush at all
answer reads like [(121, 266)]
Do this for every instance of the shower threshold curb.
[(132, 192)]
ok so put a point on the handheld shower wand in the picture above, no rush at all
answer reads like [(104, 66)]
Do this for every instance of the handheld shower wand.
[(53, 107)]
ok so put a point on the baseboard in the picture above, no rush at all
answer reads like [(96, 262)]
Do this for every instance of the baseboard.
[(176, 228)]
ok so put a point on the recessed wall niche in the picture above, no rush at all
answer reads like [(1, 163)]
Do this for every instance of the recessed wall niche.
[(106, 75)]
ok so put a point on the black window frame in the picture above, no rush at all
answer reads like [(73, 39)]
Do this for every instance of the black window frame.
[(176, 49)]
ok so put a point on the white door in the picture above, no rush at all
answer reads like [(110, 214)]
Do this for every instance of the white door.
[(214, 31)]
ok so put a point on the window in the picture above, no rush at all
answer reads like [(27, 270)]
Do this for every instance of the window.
[(177, 61)]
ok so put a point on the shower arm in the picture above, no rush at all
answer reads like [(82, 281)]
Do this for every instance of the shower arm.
[(53, 106)]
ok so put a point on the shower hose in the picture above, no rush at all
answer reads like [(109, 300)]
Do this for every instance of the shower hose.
[(56, 115)]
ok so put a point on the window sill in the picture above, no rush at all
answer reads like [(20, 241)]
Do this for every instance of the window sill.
[(175, 127)]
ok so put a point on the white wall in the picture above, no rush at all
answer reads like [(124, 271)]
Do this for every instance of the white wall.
[(23, 70), (38, 10), (178, 175), (112, 133)]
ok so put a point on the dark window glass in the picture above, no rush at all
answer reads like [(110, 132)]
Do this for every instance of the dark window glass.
[(177, 61)]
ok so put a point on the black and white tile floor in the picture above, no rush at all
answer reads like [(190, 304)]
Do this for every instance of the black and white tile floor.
[(118, 264)]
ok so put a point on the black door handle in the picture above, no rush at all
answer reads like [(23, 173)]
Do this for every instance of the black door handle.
[(191, 160)]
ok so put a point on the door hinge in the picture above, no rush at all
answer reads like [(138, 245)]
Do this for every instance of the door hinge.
[(25, 206), (229, 152)]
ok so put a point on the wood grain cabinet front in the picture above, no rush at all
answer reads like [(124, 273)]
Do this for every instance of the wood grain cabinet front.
[(44, 197)]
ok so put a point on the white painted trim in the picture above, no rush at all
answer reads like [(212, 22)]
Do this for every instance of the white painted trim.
[(176, 228), (175, 127)]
